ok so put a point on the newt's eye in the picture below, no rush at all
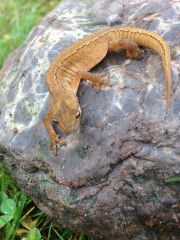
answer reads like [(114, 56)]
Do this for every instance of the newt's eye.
[(78, 114), (54, 120)]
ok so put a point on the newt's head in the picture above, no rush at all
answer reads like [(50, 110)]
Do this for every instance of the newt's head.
[(66, 111)]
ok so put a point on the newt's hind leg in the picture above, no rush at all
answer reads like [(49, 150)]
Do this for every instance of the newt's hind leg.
[(132, 48)]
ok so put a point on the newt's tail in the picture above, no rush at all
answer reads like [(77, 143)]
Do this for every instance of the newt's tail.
[(153, 41)]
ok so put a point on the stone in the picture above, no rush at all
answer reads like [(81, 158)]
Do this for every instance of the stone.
[(110, 181)]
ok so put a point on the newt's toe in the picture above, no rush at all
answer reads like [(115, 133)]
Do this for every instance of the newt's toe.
[(54, 140)]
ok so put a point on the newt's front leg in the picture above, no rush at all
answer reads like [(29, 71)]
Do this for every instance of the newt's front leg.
[(97, 80), (53, 137)]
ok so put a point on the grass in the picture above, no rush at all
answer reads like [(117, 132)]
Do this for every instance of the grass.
[(17, 18), (26, 221), (19, 218)]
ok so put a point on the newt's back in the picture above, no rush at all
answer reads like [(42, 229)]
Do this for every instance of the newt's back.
[(90, 50)]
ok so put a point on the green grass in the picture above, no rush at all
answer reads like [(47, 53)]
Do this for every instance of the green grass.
[(27, 222), (177, 179), (17, 18)]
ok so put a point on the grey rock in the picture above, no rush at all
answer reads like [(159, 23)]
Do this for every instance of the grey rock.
[(110, 180)]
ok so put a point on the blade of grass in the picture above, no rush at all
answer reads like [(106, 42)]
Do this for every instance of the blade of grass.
[(173, 179), (49, 232), (66, 232), (17, 214), (3, 182), (25, 215), (60, 237), (81, 237)]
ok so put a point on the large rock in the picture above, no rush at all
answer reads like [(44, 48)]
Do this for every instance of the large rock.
[(109, 181)]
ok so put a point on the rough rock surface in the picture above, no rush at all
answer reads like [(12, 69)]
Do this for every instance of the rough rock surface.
[(109, 181)]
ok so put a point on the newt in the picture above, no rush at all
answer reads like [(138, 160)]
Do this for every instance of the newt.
[(73, 64)]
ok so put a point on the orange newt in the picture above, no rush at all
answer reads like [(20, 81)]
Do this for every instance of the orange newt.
[(66, 71)]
